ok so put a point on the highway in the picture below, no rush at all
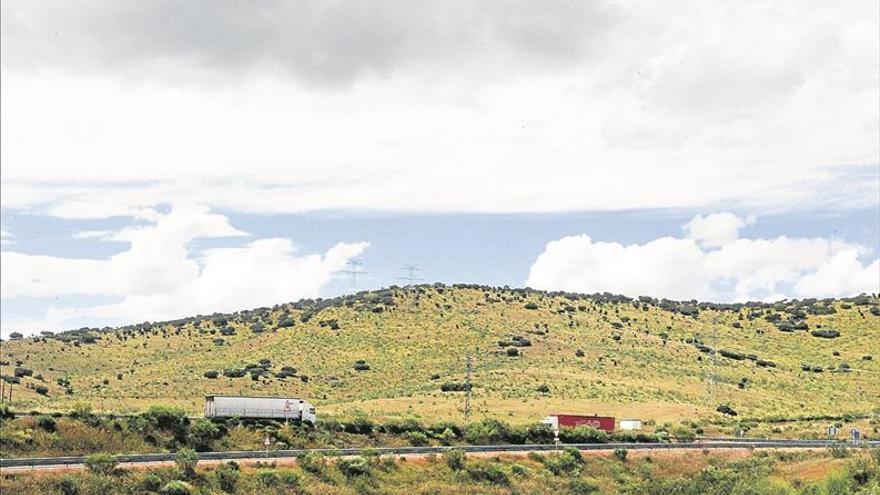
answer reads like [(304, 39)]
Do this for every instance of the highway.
[(133, 460)]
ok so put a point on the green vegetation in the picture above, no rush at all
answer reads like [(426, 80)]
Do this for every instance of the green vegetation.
[(400, 353), (566, 472)]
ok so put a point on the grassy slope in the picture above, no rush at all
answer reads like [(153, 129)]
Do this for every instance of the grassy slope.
[(637, 376), (654, 473)]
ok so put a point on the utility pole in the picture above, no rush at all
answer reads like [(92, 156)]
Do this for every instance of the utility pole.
[(713, 378), (354, 271), (467, 388)]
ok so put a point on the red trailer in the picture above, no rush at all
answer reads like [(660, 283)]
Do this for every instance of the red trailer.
[(558, 420)]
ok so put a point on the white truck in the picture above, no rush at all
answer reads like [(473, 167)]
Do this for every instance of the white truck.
[(224, 406)]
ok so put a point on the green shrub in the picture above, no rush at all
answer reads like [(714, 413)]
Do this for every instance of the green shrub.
[(177, 487), (202, 434), (825, 333), (42, 389), (6, 412), (312, 462), (212, 374), (581, 487), (839, 451), (620, 454), (186, 460), (353, 466), (268, 478), (447, 437), (519, 470), (47, 423), (511, 352), (151, 482), (417, 438), (288, 478), (101, 463), (454, 459), (486, 472), (569, 461), (454, 387), (361, 365), (68, 485), (227, 475), (582, 434)]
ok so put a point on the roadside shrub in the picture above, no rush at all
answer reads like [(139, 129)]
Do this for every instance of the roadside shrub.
[(581, 487), (620, 454), (268, 478), (484, 471), (839, 451), (47, 423), (6, 412), (68, 485), (186, 460), (288, 478), (212, 374), (227, 475), (353, 466), (569, 461), (683, 434), (582, 434), (101, 463), (454, 459), (447, 437), (151, 482), (312, 462), (177, 487), (202, 434), (417, 438)]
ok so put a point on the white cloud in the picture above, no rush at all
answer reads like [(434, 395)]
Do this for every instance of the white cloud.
[(842, 274), (158, 277), (740, 270), (93, 234), (6, 238), (577, 107), (716, 229)]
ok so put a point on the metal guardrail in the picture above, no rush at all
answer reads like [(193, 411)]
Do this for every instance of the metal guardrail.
[(36, 462)]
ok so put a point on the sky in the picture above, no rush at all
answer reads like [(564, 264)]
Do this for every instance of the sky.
[(163, 159)]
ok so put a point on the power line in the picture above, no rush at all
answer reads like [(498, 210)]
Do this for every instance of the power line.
[(411, 277), (355, 270)]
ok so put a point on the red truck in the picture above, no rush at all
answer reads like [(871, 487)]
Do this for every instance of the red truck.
[(557, 421)]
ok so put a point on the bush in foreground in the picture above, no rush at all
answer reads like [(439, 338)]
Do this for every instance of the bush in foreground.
[(101, 463)]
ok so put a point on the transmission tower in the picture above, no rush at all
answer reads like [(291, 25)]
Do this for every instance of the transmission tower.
[(354, 271), (712, 378), (411, 277)]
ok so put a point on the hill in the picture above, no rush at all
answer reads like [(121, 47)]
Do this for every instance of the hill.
[(402, 352)]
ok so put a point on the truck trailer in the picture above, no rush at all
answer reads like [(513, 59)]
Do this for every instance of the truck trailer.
[(557, 421), (287, 408)]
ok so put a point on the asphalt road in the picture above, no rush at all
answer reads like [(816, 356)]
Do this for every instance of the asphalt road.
[(77, 462)]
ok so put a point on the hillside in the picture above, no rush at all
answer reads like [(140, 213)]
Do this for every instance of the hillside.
[(602, 354)]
